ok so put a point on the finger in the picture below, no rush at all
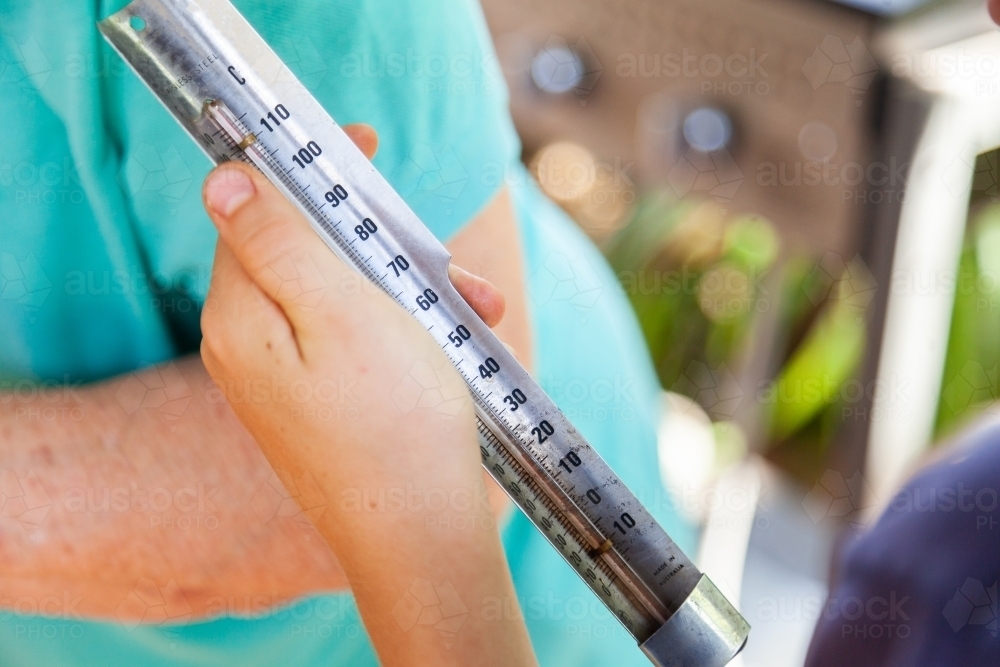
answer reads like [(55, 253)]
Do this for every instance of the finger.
[(240, 324), (488, 302), (271, 240), (210, 361), (364, 137)]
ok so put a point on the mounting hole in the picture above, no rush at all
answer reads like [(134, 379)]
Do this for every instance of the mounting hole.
[(138, 23)]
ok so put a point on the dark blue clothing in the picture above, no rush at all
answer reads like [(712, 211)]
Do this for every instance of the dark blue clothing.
[(920, 587)]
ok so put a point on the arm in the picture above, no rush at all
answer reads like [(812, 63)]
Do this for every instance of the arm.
[(233, 538), (275, 313)]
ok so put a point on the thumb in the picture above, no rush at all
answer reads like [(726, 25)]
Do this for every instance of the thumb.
[(276, 247), (270, 238)]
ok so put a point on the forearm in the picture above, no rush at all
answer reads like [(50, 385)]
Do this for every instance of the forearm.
[(122, 485), (451, 560), (417, 540), (421, 547)]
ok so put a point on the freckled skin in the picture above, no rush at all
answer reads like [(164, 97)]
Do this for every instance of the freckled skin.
[(45, 455), (99, 556)]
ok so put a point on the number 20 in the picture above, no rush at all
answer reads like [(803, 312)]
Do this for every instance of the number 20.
[(543, 431)]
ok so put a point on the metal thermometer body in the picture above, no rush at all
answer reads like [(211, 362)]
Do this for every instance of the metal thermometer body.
[(243, 103)]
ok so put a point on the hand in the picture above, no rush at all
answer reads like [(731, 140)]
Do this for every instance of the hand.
[(277, 315), (275, 311)]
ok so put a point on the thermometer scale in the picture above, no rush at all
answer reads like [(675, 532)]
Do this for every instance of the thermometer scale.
[(238, 101)]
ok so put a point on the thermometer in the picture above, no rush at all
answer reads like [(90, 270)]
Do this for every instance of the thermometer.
[(238, 101)]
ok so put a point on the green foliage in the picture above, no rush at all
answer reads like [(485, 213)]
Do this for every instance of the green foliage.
[(970, 379)]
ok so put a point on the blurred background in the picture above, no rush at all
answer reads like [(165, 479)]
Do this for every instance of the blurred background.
[(800, 199)]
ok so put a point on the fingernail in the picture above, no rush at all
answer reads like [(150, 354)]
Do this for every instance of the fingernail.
[(227, 190)]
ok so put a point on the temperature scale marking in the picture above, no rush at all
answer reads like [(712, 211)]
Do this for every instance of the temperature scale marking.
[(529, 447)]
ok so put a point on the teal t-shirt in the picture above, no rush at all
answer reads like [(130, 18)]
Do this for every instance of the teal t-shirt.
[(105, 256)]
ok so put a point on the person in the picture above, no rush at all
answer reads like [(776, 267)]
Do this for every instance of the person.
[(919, 588), (155, 515)]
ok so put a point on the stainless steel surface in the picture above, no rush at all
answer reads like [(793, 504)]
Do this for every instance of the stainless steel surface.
[(702, 633), (222, 83)]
